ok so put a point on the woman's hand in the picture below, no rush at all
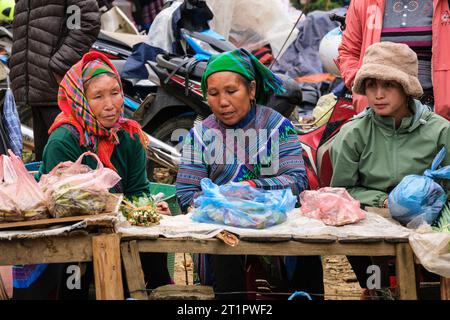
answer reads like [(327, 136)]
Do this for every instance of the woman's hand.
[(386, 203), (163, 208)]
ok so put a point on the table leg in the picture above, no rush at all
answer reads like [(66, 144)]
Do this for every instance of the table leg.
[(107, 267), (3, 293), (406, 279), (445, 288), (133, 270)]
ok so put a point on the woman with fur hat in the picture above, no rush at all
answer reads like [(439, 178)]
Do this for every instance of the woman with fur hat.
[(395, 136), (423, 25)]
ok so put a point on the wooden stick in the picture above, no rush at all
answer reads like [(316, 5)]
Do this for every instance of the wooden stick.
[(405, 273), (3, 293), (107, 267), (133, 270), (445, 288), (185, 268)]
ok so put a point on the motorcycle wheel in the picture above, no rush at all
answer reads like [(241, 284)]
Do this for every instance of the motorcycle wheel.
[(164, 133)]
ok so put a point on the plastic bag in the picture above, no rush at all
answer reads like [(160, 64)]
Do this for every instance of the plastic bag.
[(242, 206), (432, 249), (73, 189), (418, 198), (252, 24), (20, 195), (324, 108), (334, 206)]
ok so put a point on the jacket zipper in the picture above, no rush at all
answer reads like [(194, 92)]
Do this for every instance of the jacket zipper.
[(27, 80)]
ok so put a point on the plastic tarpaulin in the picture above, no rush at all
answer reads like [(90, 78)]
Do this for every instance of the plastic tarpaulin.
[(302, 56), (253, 24)]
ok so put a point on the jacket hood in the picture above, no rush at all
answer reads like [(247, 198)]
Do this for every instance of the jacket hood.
[(421, 114)]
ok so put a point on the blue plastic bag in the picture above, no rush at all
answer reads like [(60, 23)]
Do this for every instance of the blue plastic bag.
[(420, 198), (242, 206)]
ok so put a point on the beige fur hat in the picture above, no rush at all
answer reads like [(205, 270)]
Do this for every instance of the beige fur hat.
[(390, 61)]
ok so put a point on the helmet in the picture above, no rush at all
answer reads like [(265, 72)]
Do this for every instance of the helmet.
[(328, 50), (7, 10)]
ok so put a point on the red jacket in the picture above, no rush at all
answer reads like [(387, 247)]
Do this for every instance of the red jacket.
[(364, 23)]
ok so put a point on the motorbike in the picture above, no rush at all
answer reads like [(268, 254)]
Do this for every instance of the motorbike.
[(316, 141)]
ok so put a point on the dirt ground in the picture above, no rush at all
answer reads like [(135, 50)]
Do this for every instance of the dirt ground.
[(340, 281)]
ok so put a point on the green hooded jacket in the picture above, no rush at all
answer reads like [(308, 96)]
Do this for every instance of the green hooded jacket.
[(370, 156)]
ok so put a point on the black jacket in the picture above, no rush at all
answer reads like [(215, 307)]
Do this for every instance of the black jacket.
[(44, 43)]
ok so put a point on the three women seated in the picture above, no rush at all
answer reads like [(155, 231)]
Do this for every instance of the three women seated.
[(395, 136)]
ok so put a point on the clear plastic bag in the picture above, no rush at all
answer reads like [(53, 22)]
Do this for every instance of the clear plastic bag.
[(252, 24), (242, 206), (333, 206), (20, 195), (75, 189), (432, 249), (418, 199)]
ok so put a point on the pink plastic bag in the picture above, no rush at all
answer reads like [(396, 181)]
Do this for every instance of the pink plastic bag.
[(334, 206), (20, 195), (72, 189)]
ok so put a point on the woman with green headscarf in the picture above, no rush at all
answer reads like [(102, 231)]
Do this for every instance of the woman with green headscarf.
[(236, 86)]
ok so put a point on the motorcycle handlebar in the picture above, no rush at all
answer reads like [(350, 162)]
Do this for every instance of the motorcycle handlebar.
[(195, 3), (339, 19)]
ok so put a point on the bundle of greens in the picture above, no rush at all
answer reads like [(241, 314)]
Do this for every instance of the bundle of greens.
[(442, 224), (69, 200), (140, 211)]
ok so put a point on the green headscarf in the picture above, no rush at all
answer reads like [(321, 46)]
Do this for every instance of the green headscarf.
[(247, 65), (95, 67)]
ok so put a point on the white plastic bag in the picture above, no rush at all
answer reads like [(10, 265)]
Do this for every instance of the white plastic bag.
[(432, 249), (20, 195), (252, 24)]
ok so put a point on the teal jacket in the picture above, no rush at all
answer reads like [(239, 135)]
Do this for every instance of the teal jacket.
[(128, 157), (370, 156)]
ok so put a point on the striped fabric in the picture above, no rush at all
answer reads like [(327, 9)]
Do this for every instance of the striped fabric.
[(196, 162), (94, 68), (409, 22), (12, 123)]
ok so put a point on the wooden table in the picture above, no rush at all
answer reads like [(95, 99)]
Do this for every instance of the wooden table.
[(276, 246), (78, 246)]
